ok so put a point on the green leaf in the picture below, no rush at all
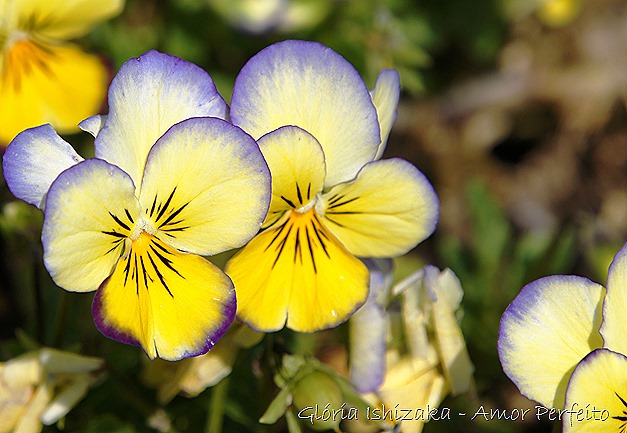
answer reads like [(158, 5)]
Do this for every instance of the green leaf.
[(278, 407)]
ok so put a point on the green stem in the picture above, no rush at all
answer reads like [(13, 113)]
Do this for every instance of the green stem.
[(216, 406)]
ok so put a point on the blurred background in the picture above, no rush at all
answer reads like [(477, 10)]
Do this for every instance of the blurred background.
[(516, 110)]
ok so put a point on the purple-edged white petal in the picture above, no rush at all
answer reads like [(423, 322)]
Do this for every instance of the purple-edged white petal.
[(385, 96), (614, 327), (308, 85), (149, 95), (33, 161), (368, 330), (547, 329)]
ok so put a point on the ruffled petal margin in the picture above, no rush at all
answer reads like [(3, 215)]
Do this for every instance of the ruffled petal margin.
[(548, 328), (173, 305), (386, 211), (33, 161)]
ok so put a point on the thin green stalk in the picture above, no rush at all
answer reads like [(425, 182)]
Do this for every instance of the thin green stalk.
[(215, 417)]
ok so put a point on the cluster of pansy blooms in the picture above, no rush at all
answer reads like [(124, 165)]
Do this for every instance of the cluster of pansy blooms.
[(39, 69), (562, 342), (291, 173)]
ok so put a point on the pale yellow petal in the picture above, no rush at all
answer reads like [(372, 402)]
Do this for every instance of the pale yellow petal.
[(90, 212), (386, 211), (551, 325), (206, 186), (596, 399), (296, 162)]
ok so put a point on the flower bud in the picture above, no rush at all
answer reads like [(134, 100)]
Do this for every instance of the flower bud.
[(318, 399)]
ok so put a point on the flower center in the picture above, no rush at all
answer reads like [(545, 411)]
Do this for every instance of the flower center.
[(143, 224)]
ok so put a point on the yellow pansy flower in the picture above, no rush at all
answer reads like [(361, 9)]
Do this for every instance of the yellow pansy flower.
[(322, 133), (42, 78), (170, 183)]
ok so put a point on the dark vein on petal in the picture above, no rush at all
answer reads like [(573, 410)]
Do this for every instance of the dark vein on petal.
[(159, 274), (334, 205), (334, 222), (297, 248), (317, 232), (300, 197), (154, 203), (290, 204), (311, 253), (128, 214), (114, 234), (309, 191), (173, 215), (165, 206), (120, 223), (166, 262)]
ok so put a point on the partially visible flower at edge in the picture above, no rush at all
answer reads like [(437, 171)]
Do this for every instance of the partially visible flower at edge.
[(42, 78), (322, 133), (562, 342), (431, 362), (41, 387), (166, 187)]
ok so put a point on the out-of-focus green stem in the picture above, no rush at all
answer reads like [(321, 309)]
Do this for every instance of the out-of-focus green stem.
[(216, 407)]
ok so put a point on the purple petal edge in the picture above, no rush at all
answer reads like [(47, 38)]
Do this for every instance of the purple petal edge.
[(109, 331)]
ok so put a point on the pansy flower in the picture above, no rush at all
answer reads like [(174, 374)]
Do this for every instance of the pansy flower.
[(42, 78), (164, 189), (562, 342), (322, 133)]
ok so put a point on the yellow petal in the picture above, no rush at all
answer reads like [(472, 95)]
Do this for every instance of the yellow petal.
[(90, 211), (614, 326), (173, 305), (386, 211), (297, 272), (296, 162), (59, 19), (551, 325), (60, 85), (596, 399), (215, 194)]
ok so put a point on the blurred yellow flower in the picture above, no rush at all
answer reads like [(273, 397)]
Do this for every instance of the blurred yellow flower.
[(41, 387), (42, 78)]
